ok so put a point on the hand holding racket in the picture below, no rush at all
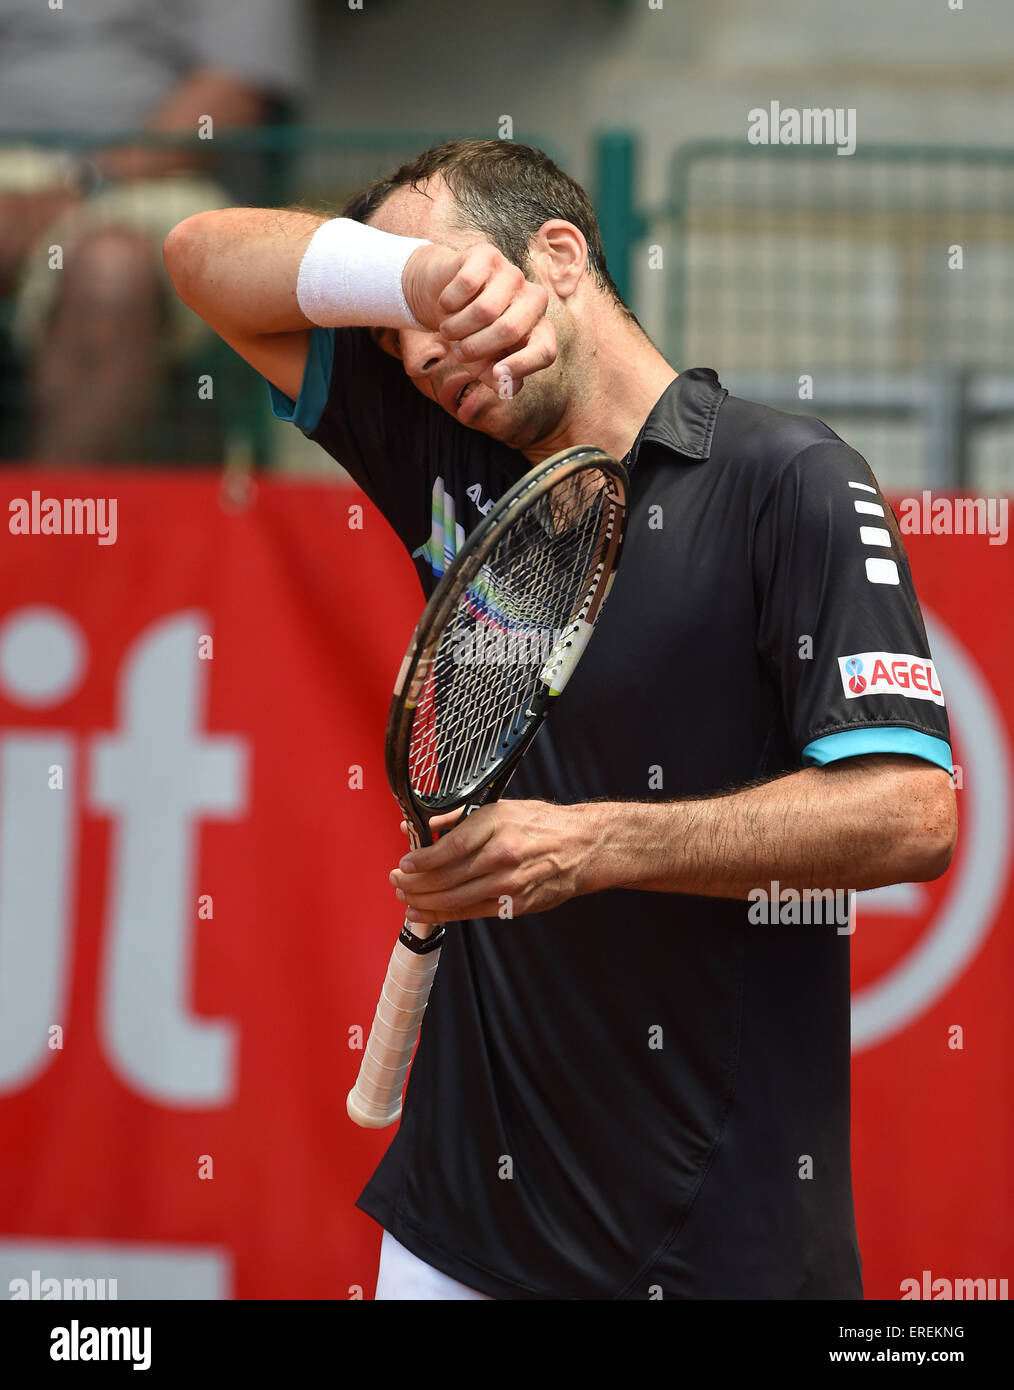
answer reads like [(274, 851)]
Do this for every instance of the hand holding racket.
[(496, 644)]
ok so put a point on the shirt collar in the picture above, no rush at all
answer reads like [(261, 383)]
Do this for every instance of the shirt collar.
[(683, 418)]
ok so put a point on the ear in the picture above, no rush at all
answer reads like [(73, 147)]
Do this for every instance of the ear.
[(560, 252)]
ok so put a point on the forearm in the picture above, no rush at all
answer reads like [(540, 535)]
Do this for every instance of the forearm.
[(859, 824), (835, 827), (239, 267), (229, 102), (247, 269)]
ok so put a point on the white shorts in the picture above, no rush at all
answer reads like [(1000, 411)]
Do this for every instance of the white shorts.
[(404, 1276)]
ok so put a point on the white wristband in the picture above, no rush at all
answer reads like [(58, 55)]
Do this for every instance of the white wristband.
[(350, 276)]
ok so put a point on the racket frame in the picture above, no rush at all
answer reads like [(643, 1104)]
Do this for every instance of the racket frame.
[(545, 477)]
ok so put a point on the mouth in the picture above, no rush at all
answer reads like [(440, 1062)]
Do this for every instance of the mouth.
[(453, 392)]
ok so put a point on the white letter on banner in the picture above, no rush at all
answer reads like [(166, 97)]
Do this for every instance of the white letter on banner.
[(158, 778)]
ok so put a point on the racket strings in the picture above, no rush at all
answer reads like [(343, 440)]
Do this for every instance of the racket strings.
[(509, 638), (537, 617), (540, 578)]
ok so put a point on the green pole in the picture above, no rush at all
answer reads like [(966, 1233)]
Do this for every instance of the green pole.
[(619, 221)]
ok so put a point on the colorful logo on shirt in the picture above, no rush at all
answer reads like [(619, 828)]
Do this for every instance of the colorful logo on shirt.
[(853, 668), (890, 673), (447, 536)]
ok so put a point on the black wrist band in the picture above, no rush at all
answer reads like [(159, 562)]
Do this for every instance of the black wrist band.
[(421, 945)]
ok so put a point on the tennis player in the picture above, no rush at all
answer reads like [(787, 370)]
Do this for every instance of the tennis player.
[(637, 1087)]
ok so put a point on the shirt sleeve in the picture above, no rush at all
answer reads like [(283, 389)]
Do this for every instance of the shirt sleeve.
[(839, 626), (414, 462), (357, 404)]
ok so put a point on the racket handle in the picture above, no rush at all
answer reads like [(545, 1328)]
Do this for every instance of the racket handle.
[(375, 1099)]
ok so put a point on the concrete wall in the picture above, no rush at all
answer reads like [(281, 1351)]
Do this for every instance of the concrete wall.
[(913, 69)]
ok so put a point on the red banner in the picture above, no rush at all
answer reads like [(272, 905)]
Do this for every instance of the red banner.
[(195, 836), (933, 1035)]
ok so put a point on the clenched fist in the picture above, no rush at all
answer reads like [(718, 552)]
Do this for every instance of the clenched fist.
[(481, 303)]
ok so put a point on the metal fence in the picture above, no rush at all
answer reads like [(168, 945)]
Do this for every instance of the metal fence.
[(885, 278)]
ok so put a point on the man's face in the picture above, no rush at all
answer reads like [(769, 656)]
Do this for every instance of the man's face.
[(429, 363)]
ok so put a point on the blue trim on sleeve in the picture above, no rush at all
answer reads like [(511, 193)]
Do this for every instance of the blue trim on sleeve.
[(850, 743), (313, 393)]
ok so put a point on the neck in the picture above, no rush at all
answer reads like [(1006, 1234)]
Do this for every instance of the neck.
[(616, 380)]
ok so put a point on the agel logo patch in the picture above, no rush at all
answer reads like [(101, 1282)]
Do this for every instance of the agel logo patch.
[(895, 673)]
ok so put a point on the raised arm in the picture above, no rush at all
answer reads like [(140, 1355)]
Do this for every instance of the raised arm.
[(239, 269)]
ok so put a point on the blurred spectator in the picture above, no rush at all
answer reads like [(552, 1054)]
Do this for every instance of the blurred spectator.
[(101, 332)]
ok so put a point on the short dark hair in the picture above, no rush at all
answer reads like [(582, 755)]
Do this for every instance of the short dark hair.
[(505, 191)]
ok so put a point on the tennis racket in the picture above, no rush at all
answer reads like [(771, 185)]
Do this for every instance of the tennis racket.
[(496, 645)]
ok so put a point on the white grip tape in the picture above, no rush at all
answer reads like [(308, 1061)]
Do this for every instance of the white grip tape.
[(566, 654), (375, 1099)]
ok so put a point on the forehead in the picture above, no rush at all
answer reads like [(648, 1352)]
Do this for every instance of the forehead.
[(426, 211)]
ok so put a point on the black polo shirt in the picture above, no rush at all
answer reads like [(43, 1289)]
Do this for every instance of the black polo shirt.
[(646, 1095)]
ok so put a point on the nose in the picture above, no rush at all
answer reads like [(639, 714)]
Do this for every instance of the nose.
[(422, 351)]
